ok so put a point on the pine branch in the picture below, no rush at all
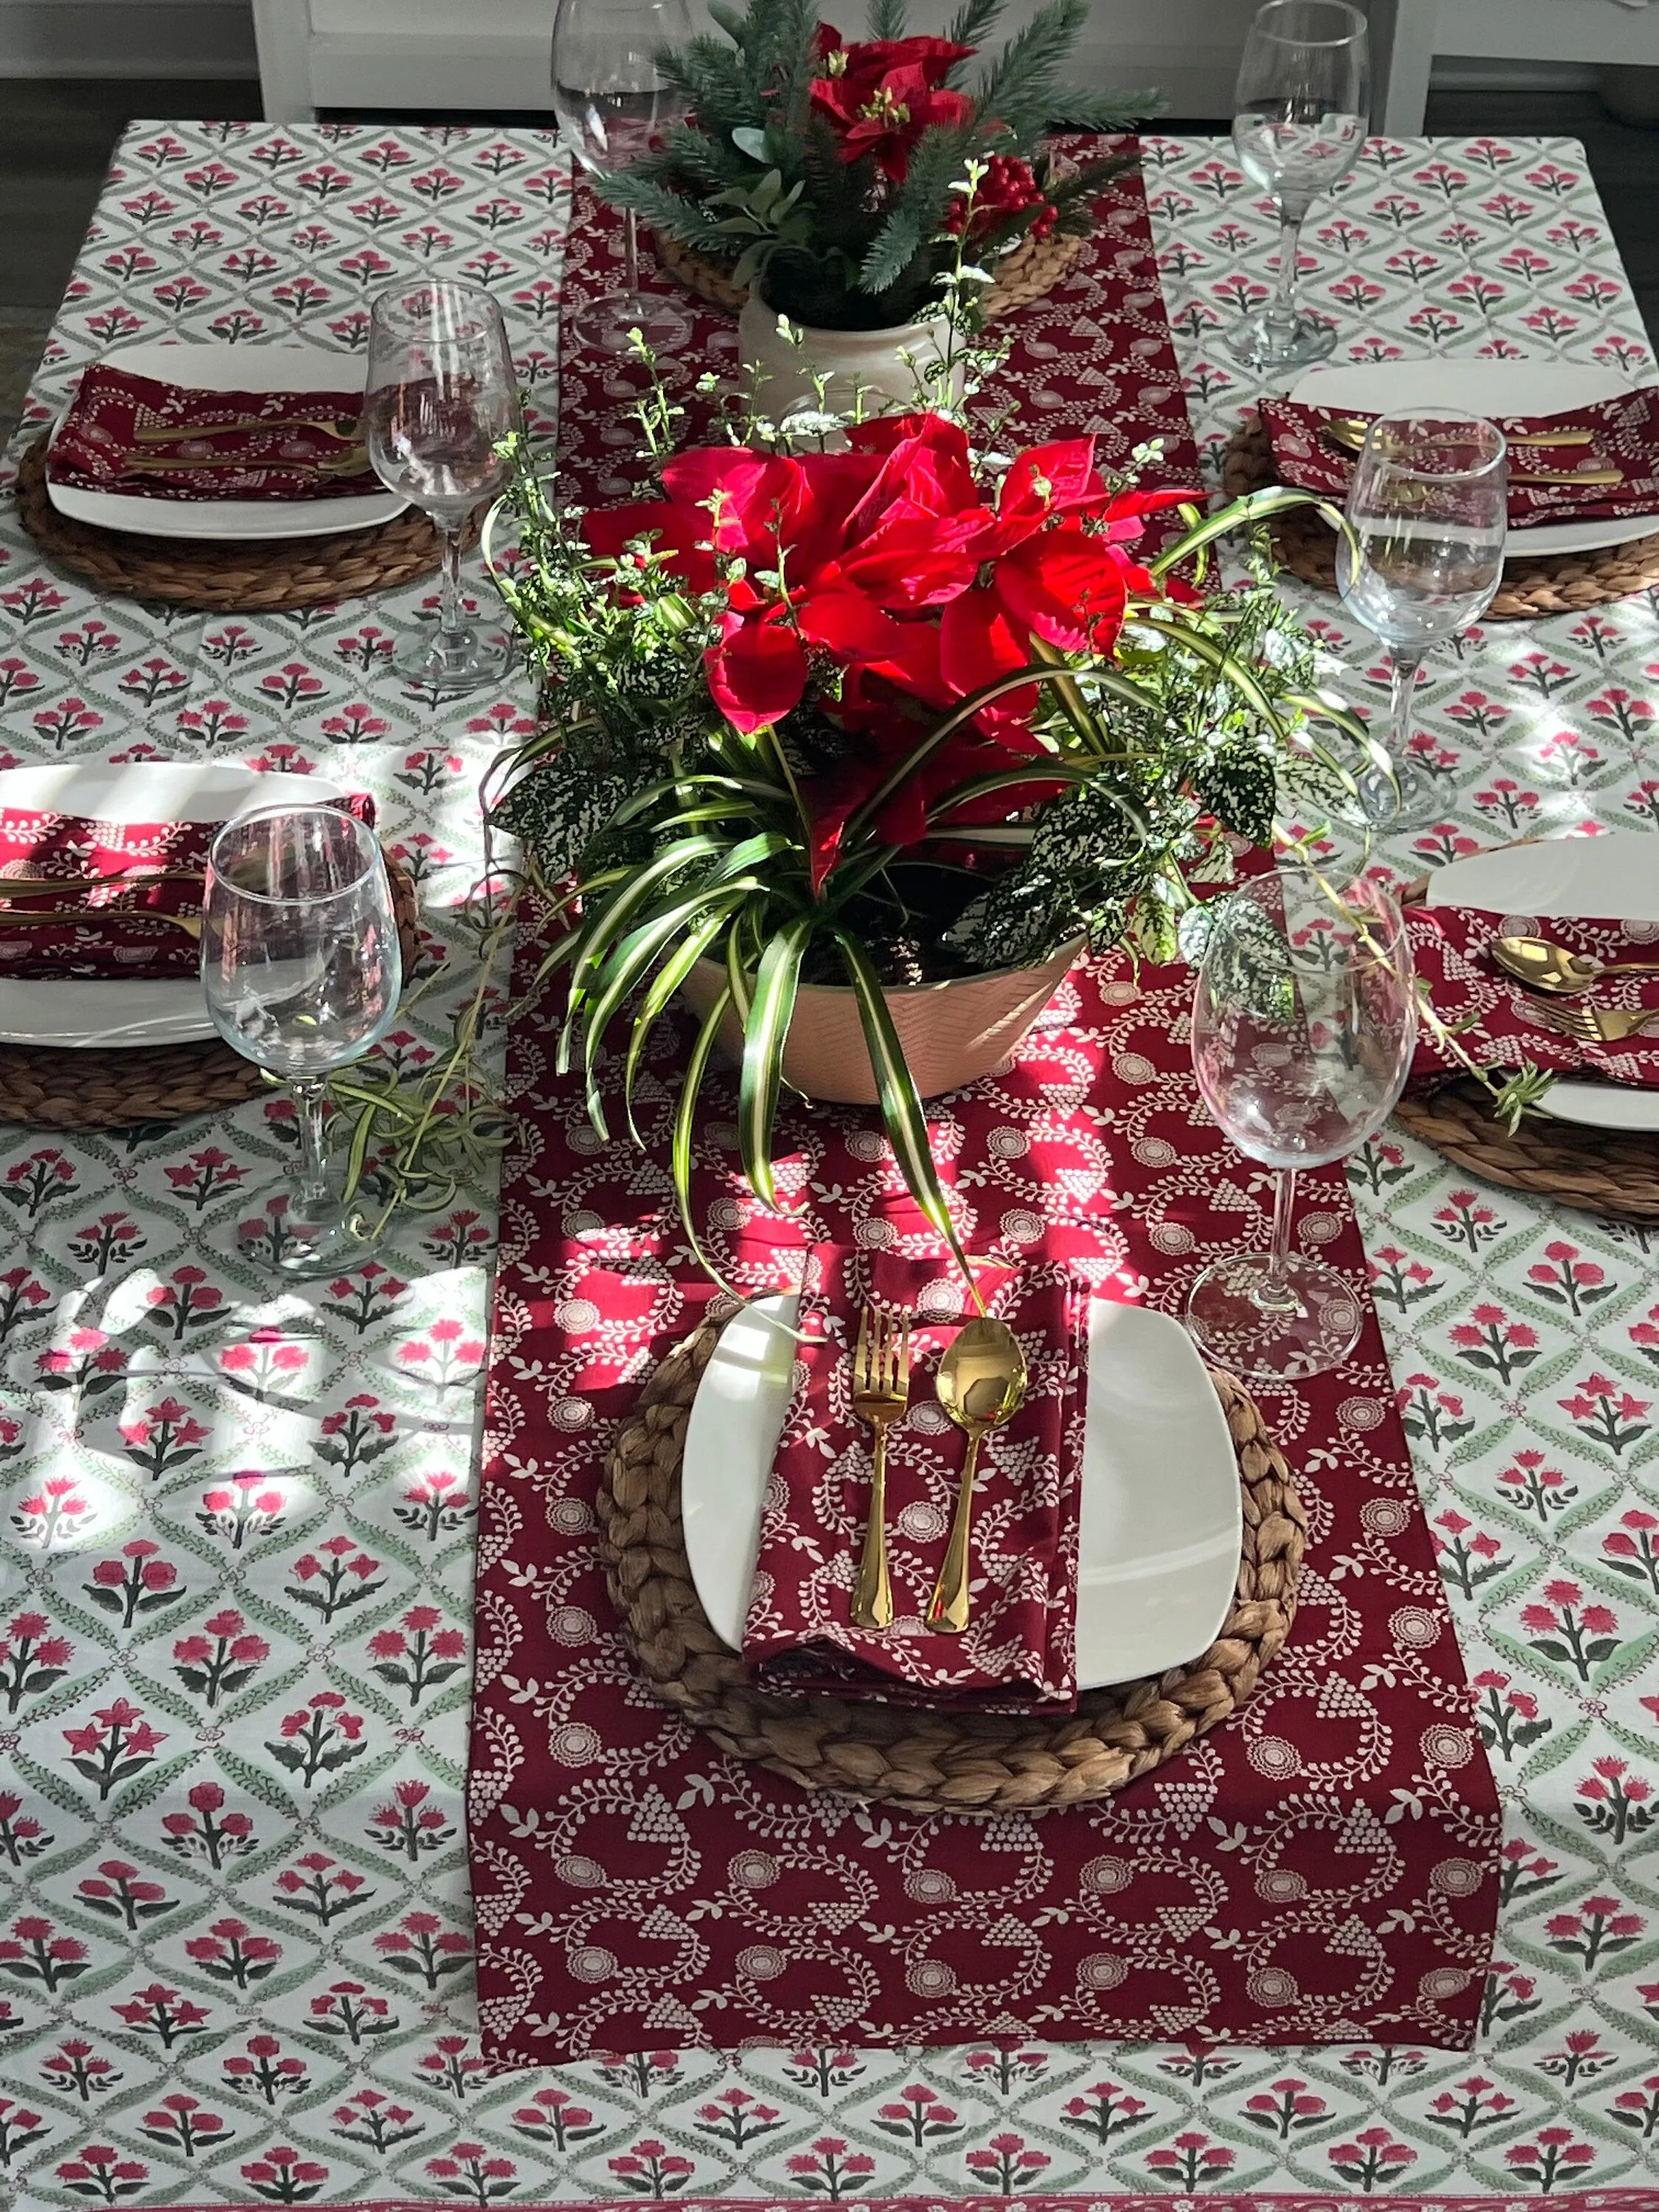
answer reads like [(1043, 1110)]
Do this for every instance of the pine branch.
[(896, 245), (1106, 111), (667, 212), (887, 18), (1022, 88), (689, 160), (717, 85), (972, 24)]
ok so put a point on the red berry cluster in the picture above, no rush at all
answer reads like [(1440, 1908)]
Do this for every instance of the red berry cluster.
[(1008, 187)]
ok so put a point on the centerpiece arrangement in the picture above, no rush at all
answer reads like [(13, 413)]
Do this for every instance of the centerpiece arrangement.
[(822, 177), (889, 728)]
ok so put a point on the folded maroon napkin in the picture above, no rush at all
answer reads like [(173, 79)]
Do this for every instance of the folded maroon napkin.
[(158, 868), (1018, 1653), (1450, 946), (1627, 437), (98, 445)]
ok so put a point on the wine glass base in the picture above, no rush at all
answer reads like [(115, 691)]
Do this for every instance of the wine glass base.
[(1267, 342), (449, 662), (606, 325), (1415, 805), (1261, 1342), (312, 1249)]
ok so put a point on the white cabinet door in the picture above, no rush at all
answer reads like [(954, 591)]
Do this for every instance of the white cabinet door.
[(493, 54)]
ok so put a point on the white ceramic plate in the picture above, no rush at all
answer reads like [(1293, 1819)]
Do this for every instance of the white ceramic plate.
[(81, 1014), (1485, 387), (1161, 1519), (1614, 874), (232, 368)]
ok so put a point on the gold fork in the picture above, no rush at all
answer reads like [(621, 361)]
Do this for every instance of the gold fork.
[(1596, 1025), (881, 1392), (26, 886), (352, 464), (29, 918), (343, 427)]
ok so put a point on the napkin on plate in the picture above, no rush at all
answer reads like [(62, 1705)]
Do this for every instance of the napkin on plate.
[(119, 935), (95, 449), (1627, 437), (1450, 945), (1018, 1653)]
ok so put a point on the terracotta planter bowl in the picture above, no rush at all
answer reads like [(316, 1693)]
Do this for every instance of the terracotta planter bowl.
[(952, 1032)]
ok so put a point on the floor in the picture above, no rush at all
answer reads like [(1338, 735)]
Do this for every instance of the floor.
[(56, 134)]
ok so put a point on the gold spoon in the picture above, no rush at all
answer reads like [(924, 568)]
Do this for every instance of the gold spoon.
[(1350, 430), (982, 1382), (1543, 966)]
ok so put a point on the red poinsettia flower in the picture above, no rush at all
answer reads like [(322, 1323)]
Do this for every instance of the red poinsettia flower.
[(879, 96), (884, 560)]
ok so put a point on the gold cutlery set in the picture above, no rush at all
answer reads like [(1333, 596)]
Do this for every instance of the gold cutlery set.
[(342, 429), (1554, 973), (1348, 431), (28, 888), (981, 1383)]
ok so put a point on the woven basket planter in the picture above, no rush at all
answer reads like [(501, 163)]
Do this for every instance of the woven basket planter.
[(1023, 276)]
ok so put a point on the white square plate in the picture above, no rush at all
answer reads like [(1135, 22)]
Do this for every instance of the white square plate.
[(232, 368)]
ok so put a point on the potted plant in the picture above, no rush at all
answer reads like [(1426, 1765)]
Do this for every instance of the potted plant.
[(889, 733), (822, 177)]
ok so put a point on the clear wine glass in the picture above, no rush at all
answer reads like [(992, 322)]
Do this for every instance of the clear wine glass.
[(1304, 1017), (442, 396), (302, 972), (1301, 110), (1428, 506), (613, 103)]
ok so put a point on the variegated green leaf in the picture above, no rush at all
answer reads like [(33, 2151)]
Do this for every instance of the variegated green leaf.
[(766, 1030)]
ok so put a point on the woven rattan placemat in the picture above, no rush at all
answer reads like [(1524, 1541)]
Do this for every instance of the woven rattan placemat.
[(221, 575), (45, 1087), (928, 1761), (1615, 1172), (1533, 585)]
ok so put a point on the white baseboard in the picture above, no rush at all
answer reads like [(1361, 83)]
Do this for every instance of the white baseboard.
[(127, 39)]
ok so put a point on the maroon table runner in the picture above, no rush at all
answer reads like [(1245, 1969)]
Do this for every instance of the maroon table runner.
[(1322, 1868)]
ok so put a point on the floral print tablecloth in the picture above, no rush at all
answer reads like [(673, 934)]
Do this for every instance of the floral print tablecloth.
[(234, 1947)]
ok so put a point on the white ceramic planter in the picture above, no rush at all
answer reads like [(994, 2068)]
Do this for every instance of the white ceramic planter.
[(952, 1032), (850, 359)]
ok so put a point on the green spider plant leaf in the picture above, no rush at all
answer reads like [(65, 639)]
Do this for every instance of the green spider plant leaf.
[(901, 1104), (1255, 507), (685, 1120), (668, 980), (766, 1030), (613, 919), (627, 966)]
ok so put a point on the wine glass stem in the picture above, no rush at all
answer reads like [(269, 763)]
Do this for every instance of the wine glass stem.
[(452, 611), (1404, 692), (630, 253), (313, 1197), (1291, 216), (1275, 1294)]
